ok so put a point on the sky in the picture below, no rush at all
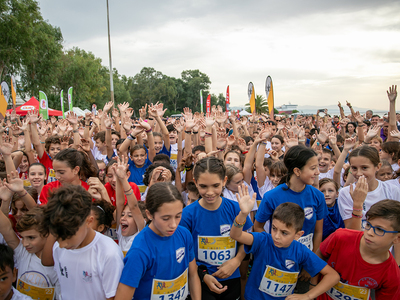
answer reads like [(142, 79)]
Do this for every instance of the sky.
[(317, 52)]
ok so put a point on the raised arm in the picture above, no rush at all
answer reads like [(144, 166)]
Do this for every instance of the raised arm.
[(16, 185), (34, 119), (392, 95), (337, 171)]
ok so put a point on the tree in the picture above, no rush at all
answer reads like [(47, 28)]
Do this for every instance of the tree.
[(194, 82), (261, 105), (221, 101)]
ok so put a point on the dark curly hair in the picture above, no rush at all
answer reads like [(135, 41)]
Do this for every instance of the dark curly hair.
[(67, 210), (150, 169), (32, 219), (103, 211)]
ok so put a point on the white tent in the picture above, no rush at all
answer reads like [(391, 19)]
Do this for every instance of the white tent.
[(79, 112), (244, 113)]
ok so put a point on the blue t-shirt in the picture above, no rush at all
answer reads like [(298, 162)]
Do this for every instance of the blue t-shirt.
[(273, 262), (254, 185), (210, 231), (310, 199), (137, 173), (159, 259), (332, 221), (165, 151)]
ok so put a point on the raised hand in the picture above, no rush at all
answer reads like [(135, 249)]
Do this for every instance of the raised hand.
[(14, 184), (209, 120), (72, 118), (108, 121), (246, 201), (85, 145), (179, 126), (359, 194), (121, 167), (373, 131), (291, 140), (221, 141), (33, 115), (115, 113), (107, 107), (123, 107), (129, 112), (5, 192), (392, 93), (24, 125), (160, 110), (231, 140), (6, 149), (349, 143), (142, 112), (241, 144), (395, 134), (322, 137), (358, 117)]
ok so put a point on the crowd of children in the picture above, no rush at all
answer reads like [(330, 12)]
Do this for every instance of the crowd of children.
[(212, 207)]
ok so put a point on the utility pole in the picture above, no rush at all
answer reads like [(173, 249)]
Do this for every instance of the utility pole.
[(109, 56)]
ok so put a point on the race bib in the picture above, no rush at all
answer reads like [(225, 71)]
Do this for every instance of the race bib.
[(278, 283), (174, 160), (307, 241), (112, 232), (258, 203), (142, 189), (35, 292), (175, 289), (52, 176), (27, 183), (343, 291), (215, 250)]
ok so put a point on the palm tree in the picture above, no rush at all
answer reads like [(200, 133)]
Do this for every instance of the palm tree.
[(261, 105)]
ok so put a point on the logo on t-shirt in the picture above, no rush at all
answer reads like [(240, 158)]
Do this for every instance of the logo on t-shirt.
[(225, 229), (368, 282), (87, 277), (289, 263), (180, 254), (308, 212), (63, 270)]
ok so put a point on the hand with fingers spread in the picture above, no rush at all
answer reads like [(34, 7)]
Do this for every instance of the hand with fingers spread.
[(241, 144), (291, 140), (221, 141), (392, 93), (322, 137), (108, 106), (245, 200), (372, 132), (115, 113), (123, 107), (72, 118), (395, 134), (108, 121), (160, 110), (121, 167), (142, 112), (6, 149), (230, 140), (129, 112), (209, 120), (33, 116), (85, 145), (14, 184), (349, 143), (179, 126), (5, 193)]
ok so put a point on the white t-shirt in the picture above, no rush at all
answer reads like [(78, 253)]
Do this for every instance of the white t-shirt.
[(329, 174), (91, 272), (19, 296), (125, 242), (267, 186), (384, 191), (97, 154), (31, 270), (395, 182), (395, 167)]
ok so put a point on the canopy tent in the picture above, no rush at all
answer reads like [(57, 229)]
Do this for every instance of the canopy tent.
[(33, 104), (244, 113), (79, 112)]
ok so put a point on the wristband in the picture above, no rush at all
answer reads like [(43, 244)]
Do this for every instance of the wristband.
[(151, 119), (356, 216), (238, 225), (126, 194), (195, 132), (23, 194), (108, 127), (147, 131), (131, 137), (207, 133), (220, 149), (202, 271), (127, 190), (75, 131), (188, 132), (189, 168), (357, 209)]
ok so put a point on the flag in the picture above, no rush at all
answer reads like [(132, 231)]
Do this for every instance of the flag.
[(13, 90), (269, 90), (208, 105), (43, 105), (3, 105), (201, 101), (227, 99), (252, 99), (62, 102), (70, 106)]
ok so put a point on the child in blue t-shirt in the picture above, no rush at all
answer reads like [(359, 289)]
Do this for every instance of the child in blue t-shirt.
[(278, 259)]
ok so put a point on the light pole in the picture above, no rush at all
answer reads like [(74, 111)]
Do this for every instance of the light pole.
[(109, 56)]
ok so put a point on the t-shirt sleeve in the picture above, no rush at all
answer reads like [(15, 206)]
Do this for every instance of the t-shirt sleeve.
[(264, 212), (136, 263), (189, 241), (322, 209), (328, 245), (345, 203), (113, 266), (311, 262), (135, 190), (185, 220), (257, 243), (390, 288), (43, 195)]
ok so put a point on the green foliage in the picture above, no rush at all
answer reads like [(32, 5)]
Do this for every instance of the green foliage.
[(261, 105), (194, 81)]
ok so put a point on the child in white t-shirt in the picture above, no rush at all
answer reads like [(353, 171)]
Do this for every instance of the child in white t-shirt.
[(88, 264)]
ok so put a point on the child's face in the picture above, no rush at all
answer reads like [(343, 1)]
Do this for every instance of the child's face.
[(324, 162), (330, 193), (233, 159), (275, 178), (384, 173), (54, 149), (36, 176), (114, 140), (64, 173), (100, 145), (276, 144), (127, 223), (266, 170), (20, 209), (173, 136), (158, 143), (192, 197), (102, 170), (112, 178), (361, 165), (210, 187), (7, 277), (32, 241), (385, 156), (375, 242), (310, 171), (282, 235), (24, 165), (139, 157), (376, 144), (166, 219), (236, 180)]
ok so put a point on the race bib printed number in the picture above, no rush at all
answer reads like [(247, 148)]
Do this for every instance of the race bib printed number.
[(142, 189), (215, 250), (307, 240), (52, 176), (278, 283), (175, 289), (112, 232), (35, 292), (342, 291)]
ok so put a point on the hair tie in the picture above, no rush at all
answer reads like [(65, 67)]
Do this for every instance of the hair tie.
[(101, 208)]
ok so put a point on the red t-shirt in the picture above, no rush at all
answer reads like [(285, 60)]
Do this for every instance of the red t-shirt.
[(48, 163), (111, 192), (343, 249), (54, 185)]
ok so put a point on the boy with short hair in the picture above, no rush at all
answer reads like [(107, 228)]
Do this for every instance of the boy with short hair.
[(363, 259), (88, 264), (8, 274), (278, 258)]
